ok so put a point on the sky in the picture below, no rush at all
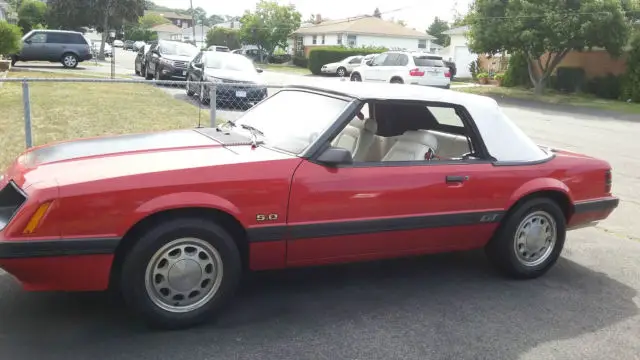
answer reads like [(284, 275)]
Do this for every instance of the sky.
[(417, 14)]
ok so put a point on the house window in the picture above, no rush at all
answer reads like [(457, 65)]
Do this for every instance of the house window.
[(323, 39), (315, 40), (178, 22), (351, 41), (339, 39), (422, 44), (299, 46)]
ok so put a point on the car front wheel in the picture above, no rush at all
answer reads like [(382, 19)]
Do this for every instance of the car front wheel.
[(529, 240), (180, 273)]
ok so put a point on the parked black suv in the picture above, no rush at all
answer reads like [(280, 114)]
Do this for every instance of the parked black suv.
[(168, 60)]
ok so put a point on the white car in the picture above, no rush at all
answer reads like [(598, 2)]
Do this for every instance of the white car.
[(118, 43), (343, 67), (95, 48), (405, 67)]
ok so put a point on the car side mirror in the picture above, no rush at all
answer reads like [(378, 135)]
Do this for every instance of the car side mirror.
[(369, 62), (198, 65), (259, 70), (334, 156), (27, 41)]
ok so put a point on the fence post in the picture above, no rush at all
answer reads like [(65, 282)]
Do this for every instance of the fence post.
[(26, 101), (212, 105)]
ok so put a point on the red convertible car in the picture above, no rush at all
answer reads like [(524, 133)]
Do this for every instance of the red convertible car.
[(336, 173)]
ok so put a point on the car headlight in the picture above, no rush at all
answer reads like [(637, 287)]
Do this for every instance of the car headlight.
[(166, 62)]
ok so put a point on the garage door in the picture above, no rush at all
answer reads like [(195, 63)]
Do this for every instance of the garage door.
[(463, 58)]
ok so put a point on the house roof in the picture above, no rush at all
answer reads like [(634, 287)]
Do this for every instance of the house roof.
[(457, 31), (366, 25), (169, 15), (170, 28), (199, 28)]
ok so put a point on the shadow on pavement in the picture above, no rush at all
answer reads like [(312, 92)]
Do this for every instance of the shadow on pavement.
[(451, 305)]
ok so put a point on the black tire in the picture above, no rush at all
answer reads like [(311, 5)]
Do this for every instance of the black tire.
[(356, 77), (69, 60), (134, 272), (342, 72), (204, 100), (138, 73), (14, 60), (501, 250), (156, 75), (190, 92), (397, 81), (147, 76)]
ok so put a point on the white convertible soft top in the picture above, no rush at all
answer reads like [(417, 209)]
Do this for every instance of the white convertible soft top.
[(504, 140)]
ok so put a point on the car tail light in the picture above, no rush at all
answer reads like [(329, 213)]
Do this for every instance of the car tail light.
[(447, 74), (607, 181), (416, 72)]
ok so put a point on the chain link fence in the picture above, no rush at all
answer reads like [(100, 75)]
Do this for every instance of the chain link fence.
[(36, 111)]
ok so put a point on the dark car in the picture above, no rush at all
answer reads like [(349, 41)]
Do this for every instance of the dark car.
[(66, 47), (139, 62), (168, 60), (238, 81), (128, 45)]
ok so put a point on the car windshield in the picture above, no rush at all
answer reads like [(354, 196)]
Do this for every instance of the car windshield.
[(292, 119), (426, 60), (229, 62), (178, 49)]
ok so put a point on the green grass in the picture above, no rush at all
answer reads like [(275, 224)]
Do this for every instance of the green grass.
[(552, 97), (291, 69), (62, 111)]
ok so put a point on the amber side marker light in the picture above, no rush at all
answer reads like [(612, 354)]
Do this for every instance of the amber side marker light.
[(33, 223)]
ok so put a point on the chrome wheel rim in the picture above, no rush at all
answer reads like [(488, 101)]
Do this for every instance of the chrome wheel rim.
[(69, 60), (535, 238), (184, 275), (340, 72)]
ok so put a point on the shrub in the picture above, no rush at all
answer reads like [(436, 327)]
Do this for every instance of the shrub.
[(10, 39), (631, 80), (300, 61), (475, 69), (517, 73), (606, 87), (571, 79), (279, 58), (326, 55), (482, 75), (499, 76)]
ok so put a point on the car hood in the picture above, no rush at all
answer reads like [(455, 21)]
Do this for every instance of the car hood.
[(336, 64), (178, 57), (95, 159), (235, 75)]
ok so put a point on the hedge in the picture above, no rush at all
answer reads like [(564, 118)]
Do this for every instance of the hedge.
[(326, 55), (631, 80), (10, 39)]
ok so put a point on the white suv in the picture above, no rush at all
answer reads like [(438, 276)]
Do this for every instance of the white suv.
[(405, 67)]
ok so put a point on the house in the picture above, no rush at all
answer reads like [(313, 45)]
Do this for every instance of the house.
[(168, 32), (233, 24), (435, 48), (458, 51), (359, 31), (181, 21), (201, 35)]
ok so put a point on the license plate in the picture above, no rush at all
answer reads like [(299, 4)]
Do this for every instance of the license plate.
[(184, 73), (241, 94)]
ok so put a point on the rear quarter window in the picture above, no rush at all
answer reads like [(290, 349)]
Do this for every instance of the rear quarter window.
[(428, 61)]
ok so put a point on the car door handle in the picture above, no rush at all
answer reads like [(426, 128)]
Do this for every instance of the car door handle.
[(456, 178)]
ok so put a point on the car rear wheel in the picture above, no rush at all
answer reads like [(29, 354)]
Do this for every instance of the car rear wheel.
[(529, 240), (356, 77), (14, 60), (341, 72), (397, 81), (69, 60), (180, 273)]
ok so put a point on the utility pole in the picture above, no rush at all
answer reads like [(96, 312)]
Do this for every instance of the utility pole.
[(193, 20)]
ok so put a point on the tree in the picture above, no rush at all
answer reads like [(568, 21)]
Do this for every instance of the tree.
[(436, 29), (10, 36), (377, 13), (223, 36), (30, 14), (538, 27), (401, 22), (215, 19), (147, 21), (70, 14), (631, 82), (269, 26)]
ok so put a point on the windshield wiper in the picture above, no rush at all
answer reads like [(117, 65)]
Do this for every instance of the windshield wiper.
[(254, 133)]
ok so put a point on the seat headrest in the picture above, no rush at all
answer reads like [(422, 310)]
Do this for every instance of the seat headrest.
[(420, 137), (371, 125), (357, 123)]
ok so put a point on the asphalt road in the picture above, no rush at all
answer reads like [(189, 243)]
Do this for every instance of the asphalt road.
[(436, 307)]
